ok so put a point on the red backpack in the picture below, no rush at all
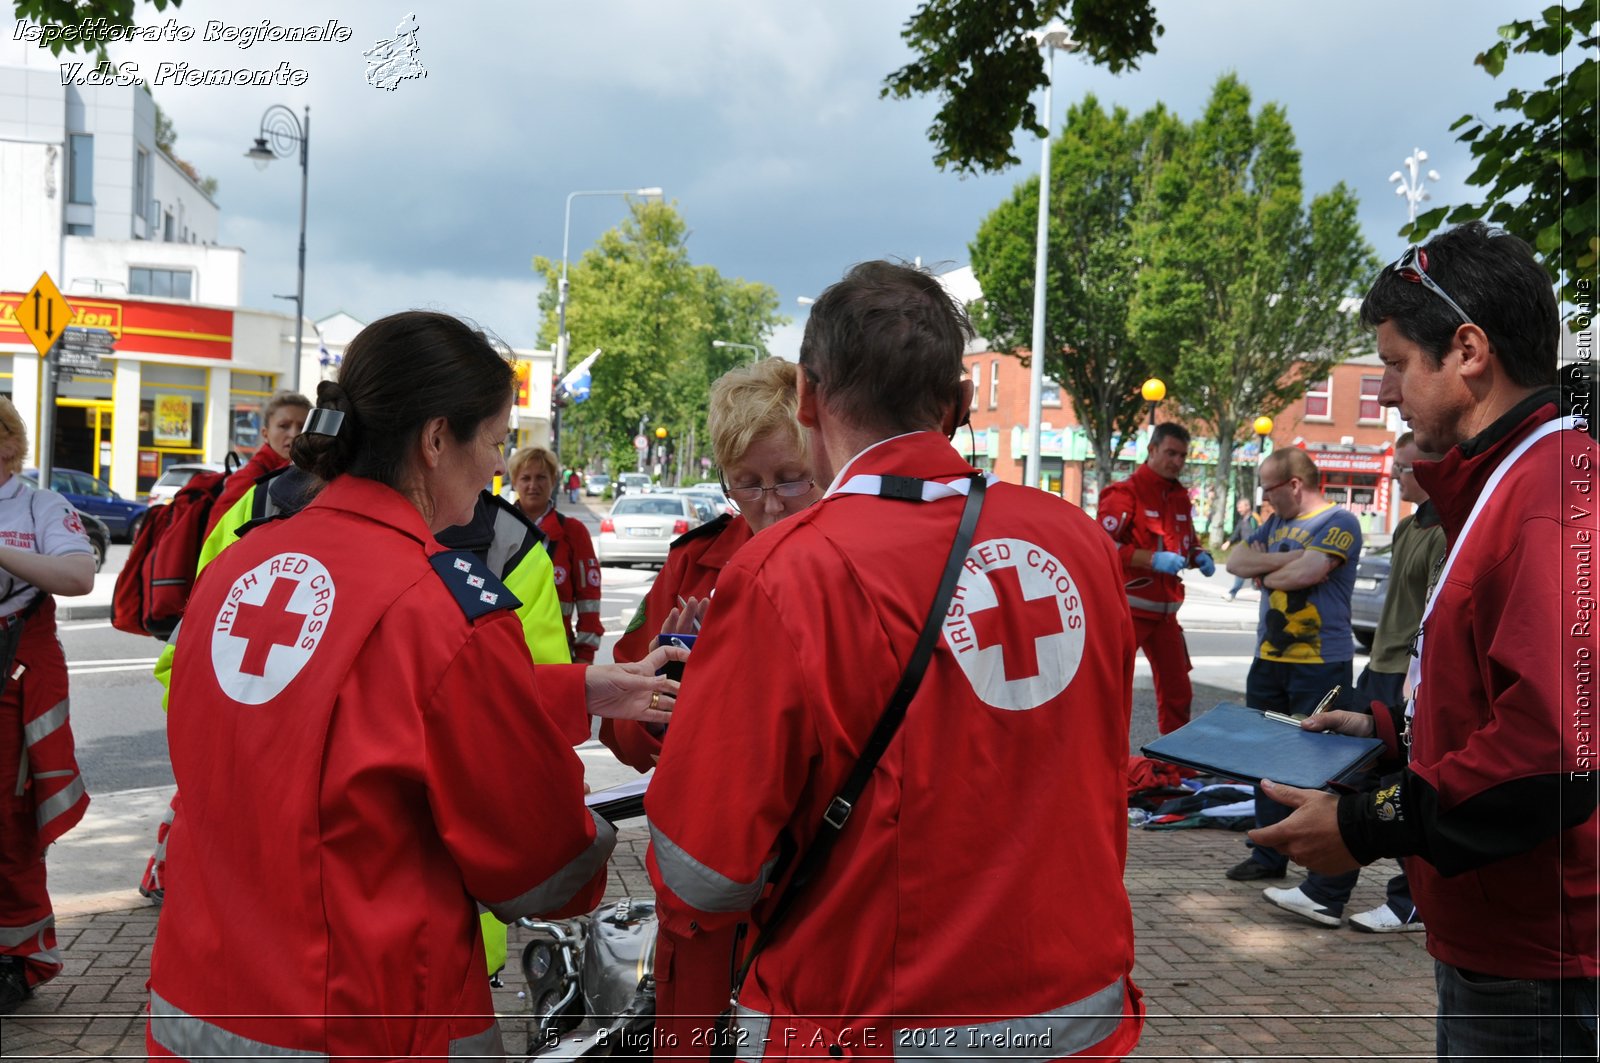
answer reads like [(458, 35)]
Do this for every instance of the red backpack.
[(154, 584)]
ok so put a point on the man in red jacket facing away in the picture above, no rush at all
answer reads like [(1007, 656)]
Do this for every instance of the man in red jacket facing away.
[(1496, 805), (1023, 711), (1149, 517)]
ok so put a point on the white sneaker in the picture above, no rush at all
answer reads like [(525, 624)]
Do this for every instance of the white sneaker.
[(1382, 920), (1292, 900)]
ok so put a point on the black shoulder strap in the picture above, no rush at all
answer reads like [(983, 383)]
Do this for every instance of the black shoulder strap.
[(843, 803)]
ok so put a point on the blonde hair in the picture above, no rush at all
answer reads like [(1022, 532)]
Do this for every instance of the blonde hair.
[(522, 458), (12, 430), (750, 402)]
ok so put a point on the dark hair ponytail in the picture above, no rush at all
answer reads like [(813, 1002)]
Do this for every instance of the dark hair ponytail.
[(398, 373)]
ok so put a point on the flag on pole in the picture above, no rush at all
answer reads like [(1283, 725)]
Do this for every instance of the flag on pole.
[(575, 384)]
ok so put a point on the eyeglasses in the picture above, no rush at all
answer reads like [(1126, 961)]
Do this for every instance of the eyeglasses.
[(1265, 488), (1400, 468), (1413, 266), (752, 495)]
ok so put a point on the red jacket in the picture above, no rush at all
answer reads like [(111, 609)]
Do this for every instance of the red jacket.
[(577, 573), (347, 699), (940, 908), (1149, 512), (1506, 681), (59, 797), (263, 461), (693, 565)]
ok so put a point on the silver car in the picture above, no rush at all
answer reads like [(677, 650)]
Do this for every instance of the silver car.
[(640, 528)]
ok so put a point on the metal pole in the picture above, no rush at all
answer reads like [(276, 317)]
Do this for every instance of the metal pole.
[(300, 290), (561, 324), (47, 417), (1041, 261)]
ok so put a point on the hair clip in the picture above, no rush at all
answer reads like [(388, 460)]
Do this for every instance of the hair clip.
[(323, 422)]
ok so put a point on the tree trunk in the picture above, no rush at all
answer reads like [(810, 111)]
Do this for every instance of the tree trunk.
[(1217, 531), (1105, 462)]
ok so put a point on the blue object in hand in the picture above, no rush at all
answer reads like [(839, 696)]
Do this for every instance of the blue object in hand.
[(1204, 562), (1167, 562)]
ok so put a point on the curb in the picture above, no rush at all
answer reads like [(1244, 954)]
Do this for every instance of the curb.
[(83, 612)]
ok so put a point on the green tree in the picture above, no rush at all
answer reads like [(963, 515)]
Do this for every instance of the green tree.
[(637, 296), (1101, 168), (978, 57), (1539, 170), (1246, 293)]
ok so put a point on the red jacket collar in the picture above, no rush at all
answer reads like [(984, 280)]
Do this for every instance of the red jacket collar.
[(1454, 481), (374, 501), (1147, 479), (926, 455), (267, 459)]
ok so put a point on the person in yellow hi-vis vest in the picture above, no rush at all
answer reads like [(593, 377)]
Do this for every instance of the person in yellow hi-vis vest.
[(506, 540)]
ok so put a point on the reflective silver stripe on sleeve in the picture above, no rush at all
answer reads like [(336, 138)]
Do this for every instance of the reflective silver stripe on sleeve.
[(1153, 607), (589, 605), (1066, 1031), (587, 638), (485, 1045), (12, 936), (754, 1032), (59, 803), (195, 1039), (508, 534), (698, 885), (40, 728), (566, 609), (560, 887)]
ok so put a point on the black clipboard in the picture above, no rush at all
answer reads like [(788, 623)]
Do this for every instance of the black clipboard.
[(1241, 743)]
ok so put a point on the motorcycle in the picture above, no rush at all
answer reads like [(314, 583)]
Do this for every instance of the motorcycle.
[(595, 970)]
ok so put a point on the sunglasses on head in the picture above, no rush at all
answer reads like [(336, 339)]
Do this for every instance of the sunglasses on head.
[(1413, 266)]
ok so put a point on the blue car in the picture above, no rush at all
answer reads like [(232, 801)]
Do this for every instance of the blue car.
[(93, 497)]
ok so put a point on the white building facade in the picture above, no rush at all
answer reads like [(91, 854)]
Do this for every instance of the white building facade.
[(130, 239)]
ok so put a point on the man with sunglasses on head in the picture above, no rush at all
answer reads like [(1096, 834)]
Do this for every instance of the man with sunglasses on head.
[(1022, 712), (1305, 556), (1496, 806), (1149, 516)]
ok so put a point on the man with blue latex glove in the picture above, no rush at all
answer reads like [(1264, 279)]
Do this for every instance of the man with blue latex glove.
[(1148, 515), (1168, 563)]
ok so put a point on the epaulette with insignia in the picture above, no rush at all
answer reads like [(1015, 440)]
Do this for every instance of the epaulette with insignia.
[(708, 529), (476, 590)]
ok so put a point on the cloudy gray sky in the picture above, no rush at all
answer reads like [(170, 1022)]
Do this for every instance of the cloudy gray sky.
[(760, 119)]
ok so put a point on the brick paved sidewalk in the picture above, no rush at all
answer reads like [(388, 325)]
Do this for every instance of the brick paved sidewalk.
[(1226, 976)]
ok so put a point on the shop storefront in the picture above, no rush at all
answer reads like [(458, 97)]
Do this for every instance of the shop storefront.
[(1356, 477), (186, 383)]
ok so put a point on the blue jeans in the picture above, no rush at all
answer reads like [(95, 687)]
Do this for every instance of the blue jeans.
[(1487, 1017), (1292, 688)]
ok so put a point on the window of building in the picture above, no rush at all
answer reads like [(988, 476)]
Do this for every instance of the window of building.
[(1370, 410), (977, 380), (166, 228), (1050, 393), (1319, 400), (994, 383), (141, 181), (165, 283), (80, 178), (79, 229)]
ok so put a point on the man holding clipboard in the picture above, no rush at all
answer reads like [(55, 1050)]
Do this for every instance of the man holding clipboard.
[(1497, 802)]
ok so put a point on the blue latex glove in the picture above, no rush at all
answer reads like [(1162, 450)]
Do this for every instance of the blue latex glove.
[(1204, 562), (1167, 562)]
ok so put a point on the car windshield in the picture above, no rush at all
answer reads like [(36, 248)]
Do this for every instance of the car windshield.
[(651, 507)]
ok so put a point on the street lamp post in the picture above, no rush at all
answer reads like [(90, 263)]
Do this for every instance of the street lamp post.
[(747, 346), (561, 293), (1051, 39), (1410, 183), (1263, 429), (280, 132), (1153, 391)]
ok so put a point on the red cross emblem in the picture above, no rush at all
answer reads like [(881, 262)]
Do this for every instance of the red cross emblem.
[(267, 625), (1016, 624)]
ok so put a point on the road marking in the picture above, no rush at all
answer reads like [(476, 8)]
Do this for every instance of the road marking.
[(83, 625), (130, 664)]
